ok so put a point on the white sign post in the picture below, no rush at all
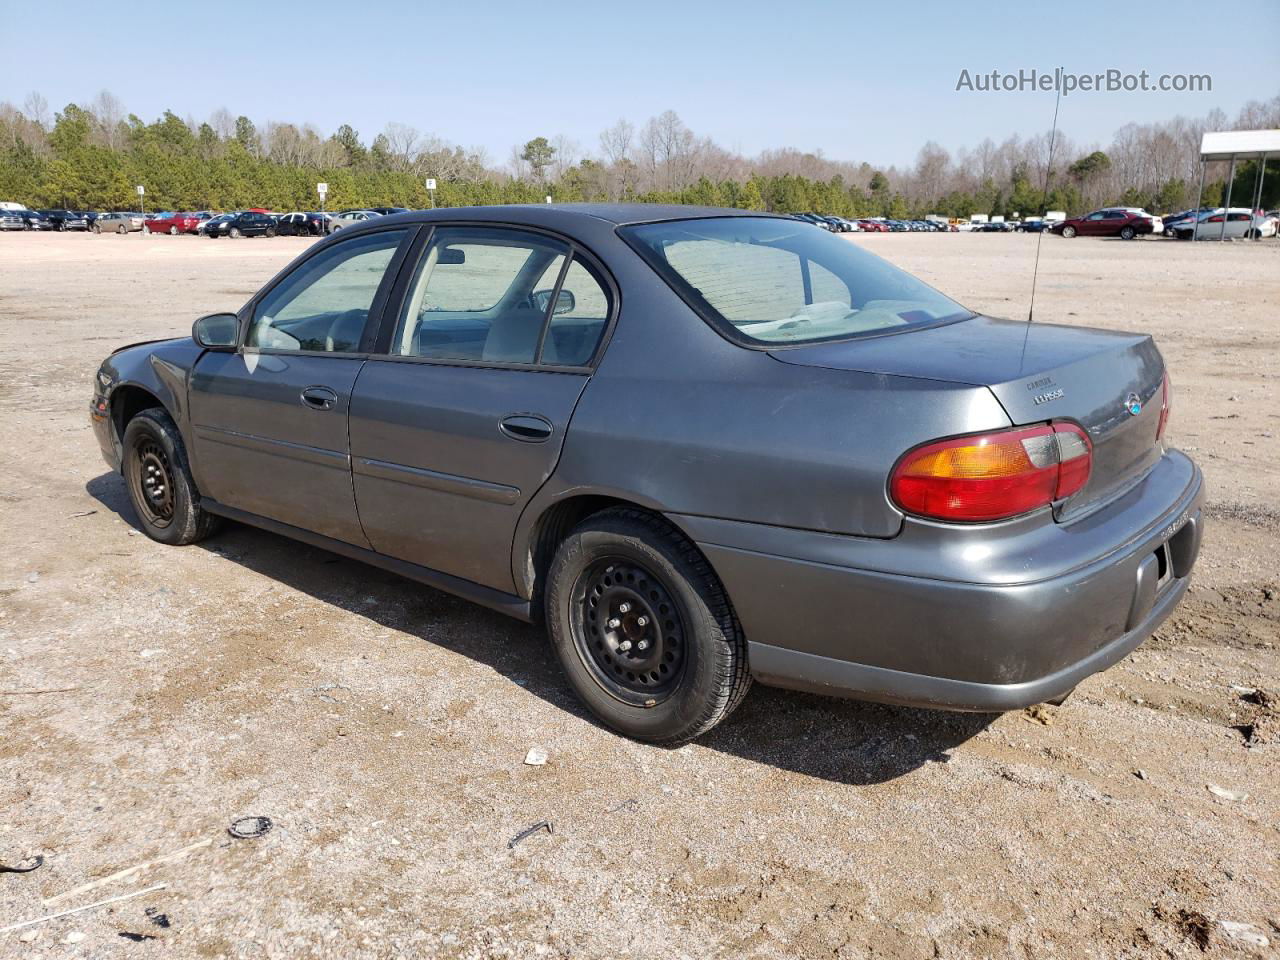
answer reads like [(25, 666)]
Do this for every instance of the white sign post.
[(431, 189), (323, 190), (142, 202)]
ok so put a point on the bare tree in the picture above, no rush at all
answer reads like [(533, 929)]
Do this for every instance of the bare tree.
[(36, 108)]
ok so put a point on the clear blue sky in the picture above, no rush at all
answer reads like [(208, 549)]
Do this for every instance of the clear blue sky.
[(858, 81)]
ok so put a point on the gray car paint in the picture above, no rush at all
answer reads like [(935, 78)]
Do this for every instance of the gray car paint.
[(775, 462)]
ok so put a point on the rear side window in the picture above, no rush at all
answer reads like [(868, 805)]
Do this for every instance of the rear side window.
[(486, 294), (777, 281), (324, 304)]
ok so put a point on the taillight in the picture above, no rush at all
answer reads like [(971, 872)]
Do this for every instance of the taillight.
[(993, 476), (1166, 404)]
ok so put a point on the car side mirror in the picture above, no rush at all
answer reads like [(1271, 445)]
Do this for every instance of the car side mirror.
[(217, 331), (451, 256), (564, 304)]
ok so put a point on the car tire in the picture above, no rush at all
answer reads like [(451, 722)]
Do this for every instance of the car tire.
[(97, 229), (173, 231), (271, 232), (1068, 232), (234, 233), (146, 231), (1127, 233), (615, 571), (156, 473)]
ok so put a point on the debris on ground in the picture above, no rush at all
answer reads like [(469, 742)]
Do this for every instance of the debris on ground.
[(529, 831), (1140, 774), (1244, 933), (87, 906), (250, 828), (25, 865), (1225, 794), (1039, 713), (158, 918), (82, 513), (127, 872), (137, 937), (536, 757), (1192, 924), (72, 938)]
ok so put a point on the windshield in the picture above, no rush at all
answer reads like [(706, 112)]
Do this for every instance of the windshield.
[(774, 280)]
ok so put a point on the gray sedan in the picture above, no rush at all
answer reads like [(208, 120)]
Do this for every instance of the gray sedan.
[(701, 445)]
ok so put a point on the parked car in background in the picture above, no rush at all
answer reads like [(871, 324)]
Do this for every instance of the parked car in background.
[(12, 220), (349, 218), (1032, 225), (247, 224), (965, 512), (1239, 223), (206, 225), (870, 225), (35, 220), (299, 224), (172, 223), (388, 211), (66, 220), (117, 222), (1109, 222)]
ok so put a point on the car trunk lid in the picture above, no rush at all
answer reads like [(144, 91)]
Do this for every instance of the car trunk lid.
[(1108, 382)]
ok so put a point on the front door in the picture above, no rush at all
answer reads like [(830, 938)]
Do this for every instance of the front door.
[(460, 419), (269, 422)]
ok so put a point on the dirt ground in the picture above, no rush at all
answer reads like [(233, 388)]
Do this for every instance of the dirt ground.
[(383, 726)]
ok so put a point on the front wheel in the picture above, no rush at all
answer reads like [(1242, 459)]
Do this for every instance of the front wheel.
[(1068, 232), (159, 481), (173, 231), (271, 232), (643, 628), (1128, 233), (96, 228), (234, 233), (122, 229)]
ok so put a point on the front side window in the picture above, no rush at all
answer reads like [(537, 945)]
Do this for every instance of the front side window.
[(776, 281), (324, 304), (485, 294)]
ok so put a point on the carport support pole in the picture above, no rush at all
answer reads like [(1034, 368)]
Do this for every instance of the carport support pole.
[(1226, 207), (1257, 193), (1200, 196)]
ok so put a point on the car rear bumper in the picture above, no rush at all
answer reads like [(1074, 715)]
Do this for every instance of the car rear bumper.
[(993, 618)]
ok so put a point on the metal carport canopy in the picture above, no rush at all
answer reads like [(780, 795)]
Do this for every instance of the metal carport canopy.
[(1239, 144)]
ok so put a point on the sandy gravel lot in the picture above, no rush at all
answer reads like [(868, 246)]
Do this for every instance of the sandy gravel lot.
[(383, 726)]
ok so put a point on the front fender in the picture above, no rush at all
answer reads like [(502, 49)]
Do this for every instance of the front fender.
[(160, 369)]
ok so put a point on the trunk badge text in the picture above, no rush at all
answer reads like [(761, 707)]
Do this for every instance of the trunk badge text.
[(1054, 392)]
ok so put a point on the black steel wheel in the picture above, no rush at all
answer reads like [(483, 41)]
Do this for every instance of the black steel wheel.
[(643, 628), (627, 630), (159, 481), (151, 482)]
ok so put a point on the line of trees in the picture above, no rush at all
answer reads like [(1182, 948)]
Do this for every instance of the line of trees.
[(91, 156)]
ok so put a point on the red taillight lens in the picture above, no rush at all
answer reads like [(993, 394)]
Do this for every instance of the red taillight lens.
[(993, 476), (1166, 404)]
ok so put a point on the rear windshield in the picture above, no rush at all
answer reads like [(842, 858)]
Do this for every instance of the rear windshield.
[(777, 281)]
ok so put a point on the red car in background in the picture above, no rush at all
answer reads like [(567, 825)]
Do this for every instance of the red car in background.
[(1111, 222), (873, 226), (174, 223)]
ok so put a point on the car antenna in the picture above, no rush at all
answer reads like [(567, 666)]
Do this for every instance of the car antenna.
[(1035, 271)]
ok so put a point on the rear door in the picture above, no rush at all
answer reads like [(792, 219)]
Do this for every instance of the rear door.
[(269, 422), (460, 418)]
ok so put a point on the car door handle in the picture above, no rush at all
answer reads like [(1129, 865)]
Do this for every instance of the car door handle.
[(526, 427), (319, 398)]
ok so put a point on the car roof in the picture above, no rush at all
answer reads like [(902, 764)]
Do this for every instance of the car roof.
[(561, 214)]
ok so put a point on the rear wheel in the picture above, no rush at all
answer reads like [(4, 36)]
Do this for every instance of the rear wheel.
[(234, 233), (643, 628), (1068, 231), (1127, 233), (122, 229), (173, 231), (159, 481), (96, 228), (271, 232)]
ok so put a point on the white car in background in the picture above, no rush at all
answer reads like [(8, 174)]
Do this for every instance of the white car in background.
[(1157, 225), (349, 218), (1241, 222)]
